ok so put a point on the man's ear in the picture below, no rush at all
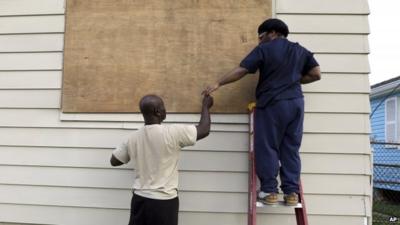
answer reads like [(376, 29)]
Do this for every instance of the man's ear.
[(157, 112)]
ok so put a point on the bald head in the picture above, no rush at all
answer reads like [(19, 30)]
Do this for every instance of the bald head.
[(152, 108)]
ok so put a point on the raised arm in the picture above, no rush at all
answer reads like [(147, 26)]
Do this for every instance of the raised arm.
[(203, 128), (313, 75), (232, 76)]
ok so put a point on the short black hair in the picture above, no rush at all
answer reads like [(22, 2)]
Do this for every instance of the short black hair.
[(276, 25), (149, 103)]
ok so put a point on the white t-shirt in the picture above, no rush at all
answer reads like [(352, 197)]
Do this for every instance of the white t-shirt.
[(154, 150)]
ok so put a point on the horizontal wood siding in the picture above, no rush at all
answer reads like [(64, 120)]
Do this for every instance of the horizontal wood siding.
[(55, 166)]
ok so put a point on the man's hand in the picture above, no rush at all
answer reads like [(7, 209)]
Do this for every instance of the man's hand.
[(114, 161), (208, 101), (210, 89)]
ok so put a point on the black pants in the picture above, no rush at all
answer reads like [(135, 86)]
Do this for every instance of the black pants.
[(147, 211)]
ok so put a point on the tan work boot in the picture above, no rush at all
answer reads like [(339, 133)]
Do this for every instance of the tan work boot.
[(291, 199), (268, 198)]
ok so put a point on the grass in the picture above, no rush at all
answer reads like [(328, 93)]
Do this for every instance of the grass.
[(388, 208), (383, 211), (380, 219)]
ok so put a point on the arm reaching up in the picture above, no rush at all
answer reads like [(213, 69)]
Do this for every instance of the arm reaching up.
[(203, 128), (232, 76)]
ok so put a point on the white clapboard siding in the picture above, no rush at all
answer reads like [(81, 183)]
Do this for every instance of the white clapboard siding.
[(190, 201), (340, 83), (96, 216), (332, 102), (130, 117), (318, 43), (95, 157), (321, 122), (32, 24), (330, 83), (330, 24), (327, 88), (55, 166), (338, 164), (46, 118), (31, 61), (332, 43), (31, 42), (98, 138), (49, 118), (322, 7), (314, 102), (336, 123), (332, 63), (336, 143), (343, 63), (29, 7), (30, 80), (30, 99), (92, 138), (297, 24), (194, 218), (211, 161), (333, 184), (39, 214), (195, 161)]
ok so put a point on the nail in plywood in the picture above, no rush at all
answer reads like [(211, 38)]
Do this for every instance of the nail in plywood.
[(118, 51)]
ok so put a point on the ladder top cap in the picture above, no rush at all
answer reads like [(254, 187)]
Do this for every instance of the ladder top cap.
[(251, 106)]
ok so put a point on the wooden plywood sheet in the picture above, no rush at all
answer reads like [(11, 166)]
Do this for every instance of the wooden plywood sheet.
[(116, 51)]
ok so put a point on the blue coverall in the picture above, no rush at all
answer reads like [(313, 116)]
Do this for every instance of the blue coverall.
[(279, 114)]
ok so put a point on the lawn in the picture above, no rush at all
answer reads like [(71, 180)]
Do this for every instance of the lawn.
[(385, 213)]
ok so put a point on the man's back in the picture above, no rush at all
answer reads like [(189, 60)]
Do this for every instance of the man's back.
[(154, 150), (281, 64)]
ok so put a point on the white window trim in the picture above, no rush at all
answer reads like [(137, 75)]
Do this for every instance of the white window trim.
[(392, 122)]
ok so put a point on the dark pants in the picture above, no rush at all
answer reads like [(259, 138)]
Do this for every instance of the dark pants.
[(278, 130), (146, 211)]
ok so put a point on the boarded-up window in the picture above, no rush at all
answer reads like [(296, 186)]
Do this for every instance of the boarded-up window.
[(116, 51), (391, 120)]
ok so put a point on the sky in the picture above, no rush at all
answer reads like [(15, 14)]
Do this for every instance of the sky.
[(384, 39)]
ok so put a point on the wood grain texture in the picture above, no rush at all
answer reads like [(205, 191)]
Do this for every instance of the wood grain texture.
[(116, 52)]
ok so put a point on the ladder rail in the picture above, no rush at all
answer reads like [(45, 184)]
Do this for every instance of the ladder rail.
[(301, 213), (252, 208)]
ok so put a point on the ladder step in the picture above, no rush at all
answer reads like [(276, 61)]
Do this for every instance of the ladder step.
[(279, 204)]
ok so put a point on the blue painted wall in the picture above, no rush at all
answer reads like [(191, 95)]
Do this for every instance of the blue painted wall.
[(378, 120), (386, 160)]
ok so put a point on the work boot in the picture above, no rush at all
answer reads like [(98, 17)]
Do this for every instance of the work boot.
[(268, 198), (291, 199)]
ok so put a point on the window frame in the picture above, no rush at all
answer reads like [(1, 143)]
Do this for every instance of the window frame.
[(395, 121)]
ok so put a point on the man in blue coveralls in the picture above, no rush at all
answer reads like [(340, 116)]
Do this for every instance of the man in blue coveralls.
[(279, 113)]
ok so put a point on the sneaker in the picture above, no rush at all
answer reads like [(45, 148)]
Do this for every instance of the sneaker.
[(268, 198), (291, 199)]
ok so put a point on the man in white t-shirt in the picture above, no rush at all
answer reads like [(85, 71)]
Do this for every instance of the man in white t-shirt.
[(154, 150)]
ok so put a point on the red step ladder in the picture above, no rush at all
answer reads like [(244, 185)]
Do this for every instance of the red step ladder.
[(300, 208)]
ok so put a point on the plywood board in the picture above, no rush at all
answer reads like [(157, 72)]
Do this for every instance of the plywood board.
[(118, 51)]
